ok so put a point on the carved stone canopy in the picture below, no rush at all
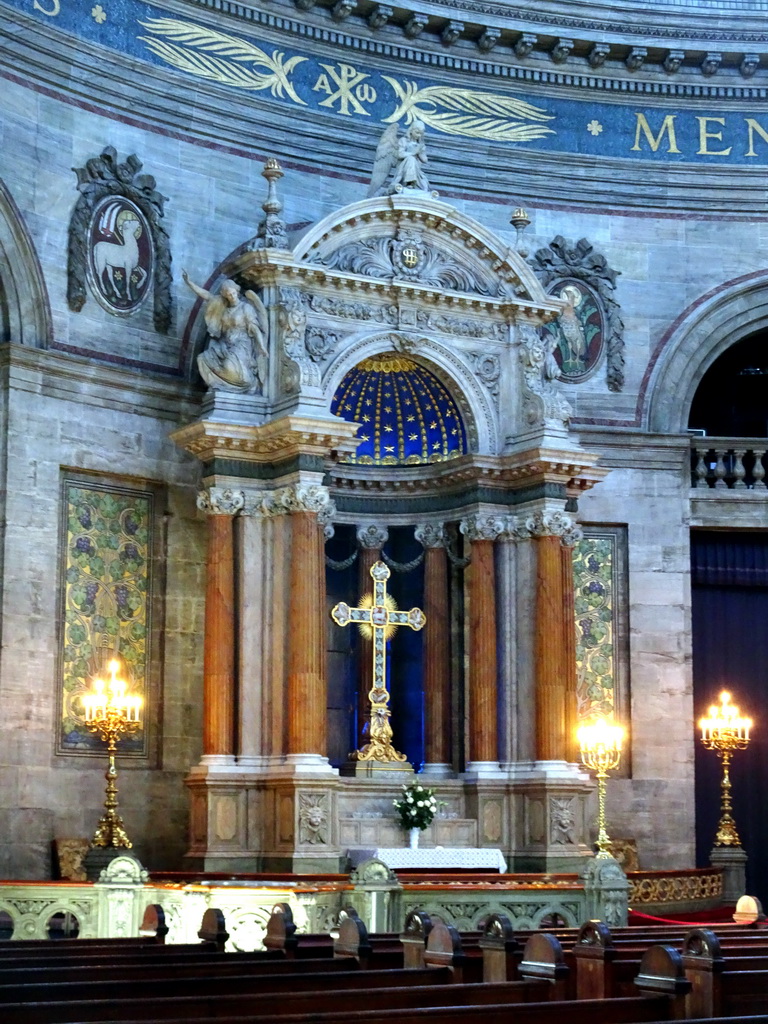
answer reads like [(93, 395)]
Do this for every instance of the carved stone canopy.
[(402, 247)]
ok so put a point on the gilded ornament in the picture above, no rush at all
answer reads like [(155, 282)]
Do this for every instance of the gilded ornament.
[(221, 58), (376, 613), (468, 112)]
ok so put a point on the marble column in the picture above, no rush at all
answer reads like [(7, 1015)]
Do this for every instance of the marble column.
[(219, 690), (306, 686), (437, 651), (371, 539), (554, 645), (263, 544), (483, 753)]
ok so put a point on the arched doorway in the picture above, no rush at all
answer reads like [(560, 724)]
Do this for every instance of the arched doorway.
[(729, 591)]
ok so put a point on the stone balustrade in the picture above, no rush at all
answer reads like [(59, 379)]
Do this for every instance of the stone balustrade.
[(724, 463)]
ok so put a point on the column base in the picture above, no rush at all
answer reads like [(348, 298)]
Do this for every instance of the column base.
[(226, 761), (483, 770), (307, 764), (438, 771)]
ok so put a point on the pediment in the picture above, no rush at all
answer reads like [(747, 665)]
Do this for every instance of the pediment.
[(419, 242)]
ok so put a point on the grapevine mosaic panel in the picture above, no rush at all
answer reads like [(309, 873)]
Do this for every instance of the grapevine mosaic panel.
[(599, 569), (105, 590)]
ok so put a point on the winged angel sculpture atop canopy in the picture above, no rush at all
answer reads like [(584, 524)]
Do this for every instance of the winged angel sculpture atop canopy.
[(400, 161)]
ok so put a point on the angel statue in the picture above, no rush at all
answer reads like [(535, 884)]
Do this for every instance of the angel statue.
[(403, 157), (236, 356)]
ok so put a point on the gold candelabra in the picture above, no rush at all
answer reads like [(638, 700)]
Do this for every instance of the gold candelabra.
[(600, 747), (111, 712), (725, 731)]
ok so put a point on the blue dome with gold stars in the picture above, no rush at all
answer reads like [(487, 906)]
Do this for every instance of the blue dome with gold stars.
[(407, 416)]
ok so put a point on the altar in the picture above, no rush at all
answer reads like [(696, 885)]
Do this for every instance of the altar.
[(439, 857)]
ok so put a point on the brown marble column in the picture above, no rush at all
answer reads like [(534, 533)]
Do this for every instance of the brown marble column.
[(371, 540), (555, 644), (483, 753), (437, 650), (307, 698), (219, 694)]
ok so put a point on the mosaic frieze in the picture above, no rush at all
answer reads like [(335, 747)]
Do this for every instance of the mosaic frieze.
[(359, 89)]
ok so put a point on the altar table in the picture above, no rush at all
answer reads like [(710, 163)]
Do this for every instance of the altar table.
[(447, 857)]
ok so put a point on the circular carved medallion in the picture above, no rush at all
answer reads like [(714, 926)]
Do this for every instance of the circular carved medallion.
[(579, 330), (120, 255)]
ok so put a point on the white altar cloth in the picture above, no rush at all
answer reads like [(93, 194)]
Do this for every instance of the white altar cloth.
[(432, 857)]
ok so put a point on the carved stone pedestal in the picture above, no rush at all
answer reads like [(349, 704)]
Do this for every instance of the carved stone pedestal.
[(607, 891), (550, 820), (733, 861), (245, 821), (225, 831), (391, 771)]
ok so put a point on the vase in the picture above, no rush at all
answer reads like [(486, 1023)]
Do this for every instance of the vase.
[(413, 838)]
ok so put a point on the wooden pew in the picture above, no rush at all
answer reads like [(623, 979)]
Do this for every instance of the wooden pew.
[(204, 998), (445, 949), (725, 979), (418, 925), (663, 984), (282, 936), (368, 950)]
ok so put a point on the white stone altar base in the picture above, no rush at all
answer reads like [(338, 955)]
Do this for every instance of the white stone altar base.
[(441, 857)]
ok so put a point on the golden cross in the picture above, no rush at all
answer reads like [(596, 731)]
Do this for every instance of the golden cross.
[(382, 618)]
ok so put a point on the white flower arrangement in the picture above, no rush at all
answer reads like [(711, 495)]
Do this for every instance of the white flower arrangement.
[(417, 807)]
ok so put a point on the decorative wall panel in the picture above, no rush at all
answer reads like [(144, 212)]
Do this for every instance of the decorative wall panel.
[(107, 543), (600, 600)]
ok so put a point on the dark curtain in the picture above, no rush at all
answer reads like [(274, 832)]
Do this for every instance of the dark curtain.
[(730, 625)]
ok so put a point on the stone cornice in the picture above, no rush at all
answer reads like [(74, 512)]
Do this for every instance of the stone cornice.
[(523, 38), (276, 441), (572, 468), (67, 377)]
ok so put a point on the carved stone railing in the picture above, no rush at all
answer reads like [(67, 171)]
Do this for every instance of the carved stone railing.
[(727, 463)]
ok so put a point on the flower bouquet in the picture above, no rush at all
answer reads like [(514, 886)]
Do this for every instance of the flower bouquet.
[(417, 807)]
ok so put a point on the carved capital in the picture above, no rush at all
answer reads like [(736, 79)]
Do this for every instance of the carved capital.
[(373, 536), (550, 524), (431, 535), (301, 498), (483, 527), (308, 498), (221, 501)]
